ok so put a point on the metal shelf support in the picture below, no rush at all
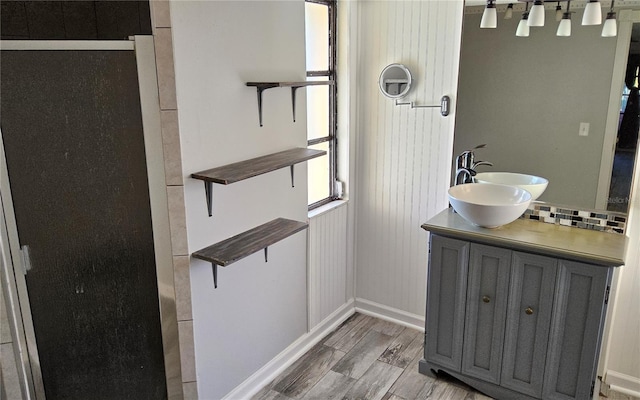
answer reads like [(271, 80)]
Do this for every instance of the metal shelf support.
[(262, 86)]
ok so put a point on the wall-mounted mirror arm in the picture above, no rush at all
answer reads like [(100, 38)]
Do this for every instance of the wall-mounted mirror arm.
[(395, 82), (444, 105)]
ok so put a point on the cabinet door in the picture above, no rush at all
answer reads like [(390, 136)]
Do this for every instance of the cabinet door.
[(528, 318), (446, 293), (487, 290), (578, 315)]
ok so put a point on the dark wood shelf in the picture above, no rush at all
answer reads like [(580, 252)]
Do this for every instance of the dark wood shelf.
[(269, 85), (262, 86), (239, 171), (244, 244)]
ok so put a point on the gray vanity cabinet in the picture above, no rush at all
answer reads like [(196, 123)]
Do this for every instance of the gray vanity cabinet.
[(579, 310), (446, 302), (488, 285), (513, 324), (528, 319)]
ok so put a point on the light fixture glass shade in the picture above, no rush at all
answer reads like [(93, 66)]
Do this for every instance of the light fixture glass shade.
[(558, 13), (564, 29), (509, 13), (592, 13), (523, 27), (610, 28), (536, 15), (489, 17)]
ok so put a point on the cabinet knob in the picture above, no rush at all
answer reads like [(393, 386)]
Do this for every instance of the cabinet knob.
[(529, 311), (486, 299)]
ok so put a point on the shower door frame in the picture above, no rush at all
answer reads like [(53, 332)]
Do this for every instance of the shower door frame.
[(11, 264)]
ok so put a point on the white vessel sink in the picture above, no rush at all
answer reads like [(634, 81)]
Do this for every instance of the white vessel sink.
[(531, 183), (489, 205)]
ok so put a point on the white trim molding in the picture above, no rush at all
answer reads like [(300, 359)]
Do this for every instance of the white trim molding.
[(390, 314), (622, 383)]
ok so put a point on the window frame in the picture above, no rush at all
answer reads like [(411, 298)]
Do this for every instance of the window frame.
[(330, 73)]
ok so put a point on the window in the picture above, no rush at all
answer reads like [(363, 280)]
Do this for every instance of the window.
[(320, 36)]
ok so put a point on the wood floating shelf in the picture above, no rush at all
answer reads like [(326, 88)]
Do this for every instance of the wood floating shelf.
[(239, 171), (244, 244), (262, 86)]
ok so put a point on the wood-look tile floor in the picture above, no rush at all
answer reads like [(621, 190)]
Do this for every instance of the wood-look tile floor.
[(364, 358), (367, 358)]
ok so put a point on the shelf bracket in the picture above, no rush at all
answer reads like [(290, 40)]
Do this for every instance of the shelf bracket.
[(208, 191), (214, 266), (292, 180), (261, 88), (445, 102), (293, 100)]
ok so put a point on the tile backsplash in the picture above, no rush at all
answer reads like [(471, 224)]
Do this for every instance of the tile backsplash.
[(598, 220)]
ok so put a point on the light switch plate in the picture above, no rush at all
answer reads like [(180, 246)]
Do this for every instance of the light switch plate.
[(584, 129)]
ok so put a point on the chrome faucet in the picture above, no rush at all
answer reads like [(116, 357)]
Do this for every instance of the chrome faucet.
[(464, 175), (475, 164), (466, 165)]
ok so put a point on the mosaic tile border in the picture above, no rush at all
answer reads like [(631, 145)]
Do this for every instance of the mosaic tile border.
[(597, 220)]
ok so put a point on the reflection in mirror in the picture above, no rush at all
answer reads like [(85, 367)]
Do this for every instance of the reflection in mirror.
[(395, 81), (547, 106)]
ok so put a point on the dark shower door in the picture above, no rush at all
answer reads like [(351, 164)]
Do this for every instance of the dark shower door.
[(72, 132)]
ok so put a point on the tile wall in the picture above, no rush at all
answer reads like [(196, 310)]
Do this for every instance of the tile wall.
[(161, 25), (597, 220)]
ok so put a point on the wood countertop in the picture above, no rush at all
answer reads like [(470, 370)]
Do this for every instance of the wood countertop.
[(607, 249)]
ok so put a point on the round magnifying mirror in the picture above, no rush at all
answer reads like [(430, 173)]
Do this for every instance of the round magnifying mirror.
[(395, 81)]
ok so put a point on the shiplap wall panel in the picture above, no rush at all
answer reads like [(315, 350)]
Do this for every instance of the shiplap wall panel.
[(404, 155), (327, 264)]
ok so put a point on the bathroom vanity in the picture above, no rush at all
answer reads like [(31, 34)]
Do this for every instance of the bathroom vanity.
[(518, 311)]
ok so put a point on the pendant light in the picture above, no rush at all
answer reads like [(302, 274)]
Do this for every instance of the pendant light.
[(564, 29), (509, 13), (559, 12), (592, 13), (489, 16), (536, 16), (610, 28), (523, 27)]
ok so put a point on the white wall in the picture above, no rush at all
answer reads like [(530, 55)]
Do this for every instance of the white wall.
[(258, 308), (622, 364), (403, 155)]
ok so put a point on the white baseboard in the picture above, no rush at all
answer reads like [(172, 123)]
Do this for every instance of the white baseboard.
[(288, 356), (622, 383), (390, 314)]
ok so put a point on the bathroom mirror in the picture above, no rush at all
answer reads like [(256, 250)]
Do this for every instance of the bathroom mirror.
[(547, 106), (395, 81)]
